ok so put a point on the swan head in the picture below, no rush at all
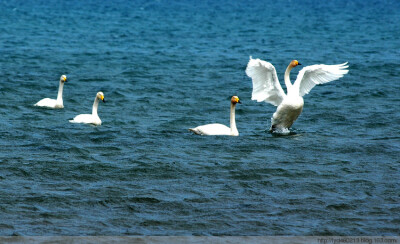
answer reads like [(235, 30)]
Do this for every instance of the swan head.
[(63, 78), (235, 99), (100, 96), (294, 63)]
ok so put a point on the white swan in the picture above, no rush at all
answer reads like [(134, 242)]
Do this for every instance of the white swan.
[(91, 118), (219, 129), (266, 88), (52, 103)]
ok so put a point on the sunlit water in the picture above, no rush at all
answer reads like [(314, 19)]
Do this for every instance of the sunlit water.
[(168, 66)]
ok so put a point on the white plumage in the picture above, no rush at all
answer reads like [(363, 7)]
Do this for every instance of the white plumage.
[(220, 129), (91, 118), (54, 103), (266, 87), (313, 75), (213, 130)]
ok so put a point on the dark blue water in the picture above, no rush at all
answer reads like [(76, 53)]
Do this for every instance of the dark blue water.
[(166, 66)]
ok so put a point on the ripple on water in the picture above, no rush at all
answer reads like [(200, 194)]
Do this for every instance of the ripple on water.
[(173, 66)]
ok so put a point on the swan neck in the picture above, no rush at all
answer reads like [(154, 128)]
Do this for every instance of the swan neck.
[(287, 78), (233, 121), (60, 92), (95, 106)]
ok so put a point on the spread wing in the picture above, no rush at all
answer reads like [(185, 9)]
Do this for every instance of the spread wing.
[(266, 85), (313, 75)]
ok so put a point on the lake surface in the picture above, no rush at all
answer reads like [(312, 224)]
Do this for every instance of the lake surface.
[(168, 66)]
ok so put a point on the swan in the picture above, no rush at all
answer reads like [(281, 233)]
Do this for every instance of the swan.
[(90, 118), (266, 88), (220, 129), (52, 103)]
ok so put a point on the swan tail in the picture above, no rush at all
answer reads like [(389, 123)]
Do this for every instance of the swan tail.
[(195, 130)]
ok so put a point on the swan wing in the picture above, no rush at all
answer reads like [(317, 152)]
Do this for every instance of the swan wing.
[(313, 75), (266, 86)]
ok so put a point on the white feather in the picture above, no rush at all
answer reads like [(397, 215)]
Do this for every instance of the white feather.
[(54, 103), (266, 86), (313, 75), (90, 118), (87, 119), (220, 129), (48, 102), (212, 129)]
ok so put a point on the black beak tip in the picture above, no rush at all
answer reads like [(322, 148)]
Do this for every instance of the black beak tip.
[(104, 100), (240, 102), (299, 64)]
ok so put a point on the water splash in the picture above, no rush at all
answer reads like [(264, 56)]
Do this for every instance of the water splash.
[(282, 131)]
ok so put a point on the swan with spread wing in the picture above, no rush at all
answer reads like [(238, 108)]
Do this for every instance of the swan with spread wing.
[(266, 87)]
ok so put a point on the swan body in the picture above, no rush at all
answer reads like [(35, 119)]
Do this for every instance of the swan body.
[(266, 87), (220, 129), (54, 103), (287, 112), (214, 129), (91, 118)]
